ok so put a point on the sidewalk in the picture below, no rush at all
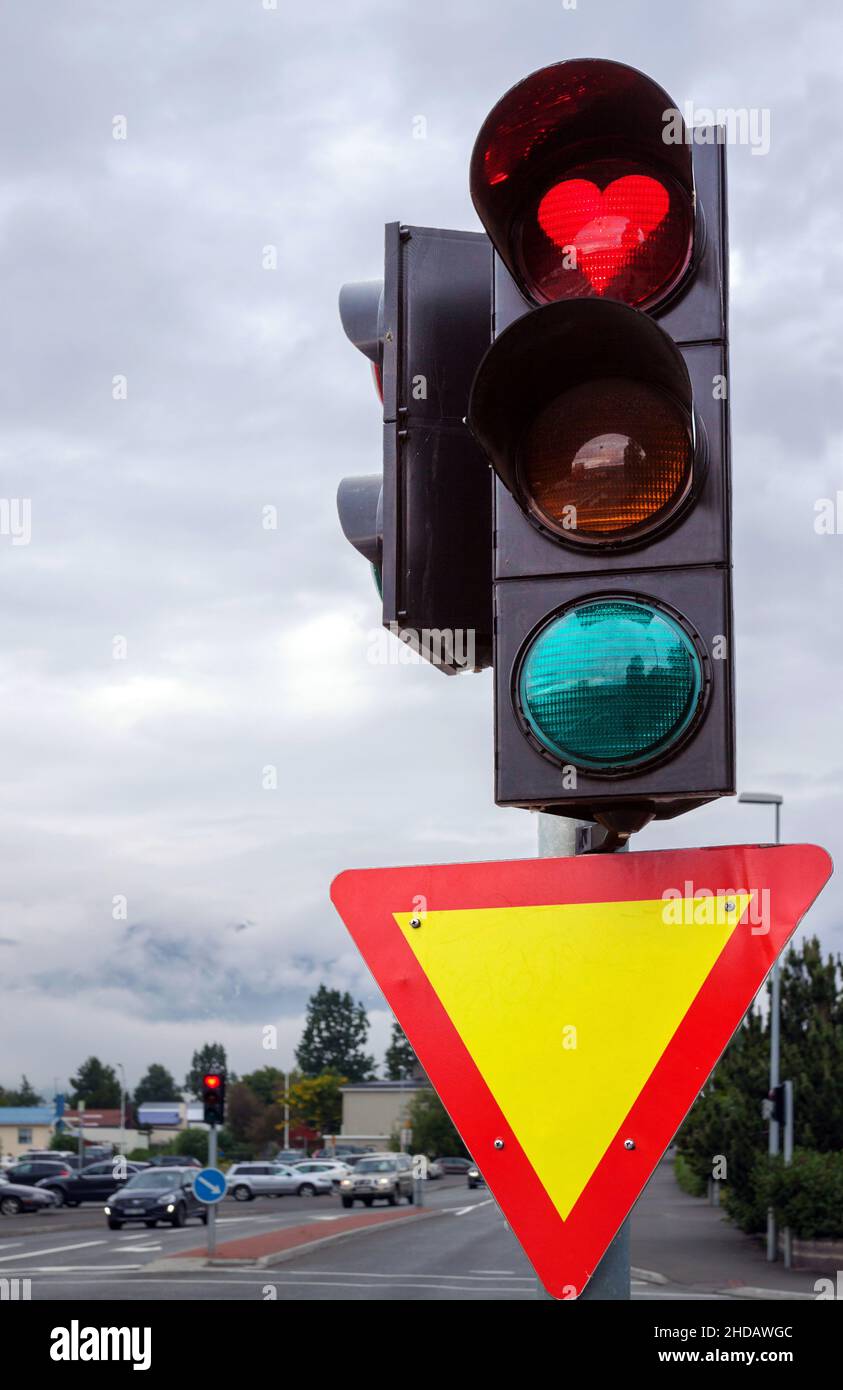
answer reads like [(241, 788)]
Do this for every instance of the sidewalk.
[(693, 1244)]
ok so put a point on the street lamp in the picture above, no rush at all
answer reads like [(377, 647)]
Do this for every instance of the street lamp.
[(772, 799)]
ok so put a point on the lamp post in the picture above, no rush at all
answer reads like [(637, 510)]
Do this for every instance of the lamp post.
[(772, 799)]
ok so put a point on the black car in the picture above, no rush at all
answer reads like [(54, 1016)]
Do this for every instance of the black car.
[(475, 1177), (174, 1161), (156, 1194), (94, 1183), (15, 1198), (30, 1171)]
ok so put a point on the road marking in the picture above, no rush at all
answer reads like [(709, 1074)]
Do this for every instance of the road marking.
[(78, 1269), (507, 1273), (463, 1211), (138, 1249), (54, 1250), (10, 1244)]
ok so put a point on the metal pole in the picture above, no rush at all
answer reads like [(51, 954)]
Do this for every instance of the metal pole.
[(212, 1210), (286, 1110), (122, 1107), (788, 1158), (611, 1279), (775, 1066)]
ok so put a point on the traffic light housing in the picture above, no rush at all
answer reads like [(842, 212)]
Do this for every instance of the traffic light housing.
[(602, 406), (425, 523), (213, 1098)]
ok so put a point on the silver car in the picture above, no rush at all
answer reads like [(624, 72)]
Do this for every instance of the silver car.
[(381, 1178), (246, 1181)]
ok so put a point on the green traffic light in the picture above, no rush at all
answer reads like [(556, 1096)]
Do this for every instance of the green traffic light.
[(610, 684)]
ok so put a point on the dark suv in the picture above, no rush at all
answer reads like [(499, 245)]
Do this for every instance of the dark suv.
[(156, 1194), (93, 1184), (30, 1171)]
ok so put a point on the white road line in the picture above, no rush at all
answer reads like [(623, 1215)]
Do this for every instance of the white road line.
[(508, 1273), (463, 1211), (54, 1250), (139, 1249), (10, 1244), (79, 1269)]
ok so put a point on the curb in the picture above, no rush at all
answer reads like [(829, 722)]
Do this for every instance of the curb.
[(180, 1264), (783, 1295)]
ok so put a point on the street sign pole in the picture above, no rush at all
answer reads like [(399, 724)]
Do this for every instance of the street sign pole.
[(212, 1211), (557, 838)]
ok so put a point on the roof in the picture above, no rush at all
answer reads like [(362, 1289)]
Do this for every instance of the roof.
[(26, 1114), (412, 1084)]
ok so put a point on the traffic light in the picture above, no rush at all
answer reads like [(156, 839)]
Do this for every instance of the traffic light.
[(213, 1098), (425, 522), (602, 406)]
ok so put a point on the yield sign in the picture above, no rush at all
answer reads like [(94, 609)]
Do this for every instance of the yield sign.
[(568, 1011)]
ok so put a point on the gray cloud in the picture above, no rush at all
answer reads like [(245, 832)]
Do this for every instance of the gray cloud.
[(246, 648)]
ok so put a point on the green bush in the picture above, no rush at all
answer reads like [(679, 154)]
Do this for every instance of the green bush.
[(807, 1194), (688, 1178)]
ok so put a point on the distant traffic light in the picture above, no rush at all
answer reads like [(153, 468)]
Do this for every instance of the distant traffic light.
[(425, 523), (602, 407), (213, 1098)]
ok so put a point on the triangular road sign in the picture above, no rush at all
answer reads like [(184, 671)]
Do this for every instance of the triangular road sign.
[(568, 1011)]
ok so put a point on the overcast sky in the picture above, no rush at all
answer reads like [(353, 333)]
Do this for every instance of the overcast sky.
[(140, 776)]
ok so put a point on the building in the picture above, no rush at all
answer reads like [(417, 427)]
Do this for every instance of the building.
[(24, 1127), (375, 1111)]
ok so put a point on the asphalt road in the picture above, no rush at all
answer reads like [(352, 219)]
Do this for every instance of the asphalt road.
[(466, 1253)]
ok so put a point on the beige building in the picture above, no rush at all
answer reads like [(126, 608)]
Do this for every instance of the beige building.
[(374, 1111), (24, 1127)]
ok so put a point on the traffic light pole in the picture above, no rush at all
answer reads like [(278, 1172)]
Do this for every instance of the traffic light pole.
[(212, 1210), (557, 836)]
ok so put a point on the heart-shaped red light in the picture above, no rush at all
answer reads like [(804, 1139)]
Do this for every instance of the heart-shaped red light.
[(604, 229)]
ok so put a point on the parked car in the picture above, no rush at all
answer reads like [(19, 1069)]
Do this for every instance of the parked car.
[(160, 1193), (334, 1171), (246, 1181), (475, 1177), (94, 1183), (16, 1197), (455, 1165), (435, 1169), (31, 1171), (290, 1156), (378, 1178), (174, 1161)]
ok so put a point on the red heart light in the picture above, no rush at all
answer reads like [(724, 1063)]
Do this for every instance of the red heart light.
[(604, 229)]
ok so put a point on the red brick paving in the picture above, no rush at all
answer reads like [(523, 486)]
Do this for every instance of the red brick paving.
[(274, 1242)]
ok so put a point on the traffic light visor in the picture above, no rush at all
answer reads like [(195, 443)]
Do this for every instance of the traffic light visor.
[(610, 684), (582, 176)]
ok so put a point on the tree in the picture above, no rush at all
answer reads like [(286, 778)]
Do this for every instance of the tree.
[(433, 1131), (96, 1085), (26, 1095), (192, 1143), (315, 1101), (242, 1110), (205, 1058), (727, 1119), (335, 1033), (400, 1059), (156, 1085), (265, 1083)]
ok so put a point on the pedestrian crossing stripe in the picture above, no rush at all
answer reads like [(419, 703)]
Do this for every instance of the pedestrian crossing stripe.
[(568, 1011)]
